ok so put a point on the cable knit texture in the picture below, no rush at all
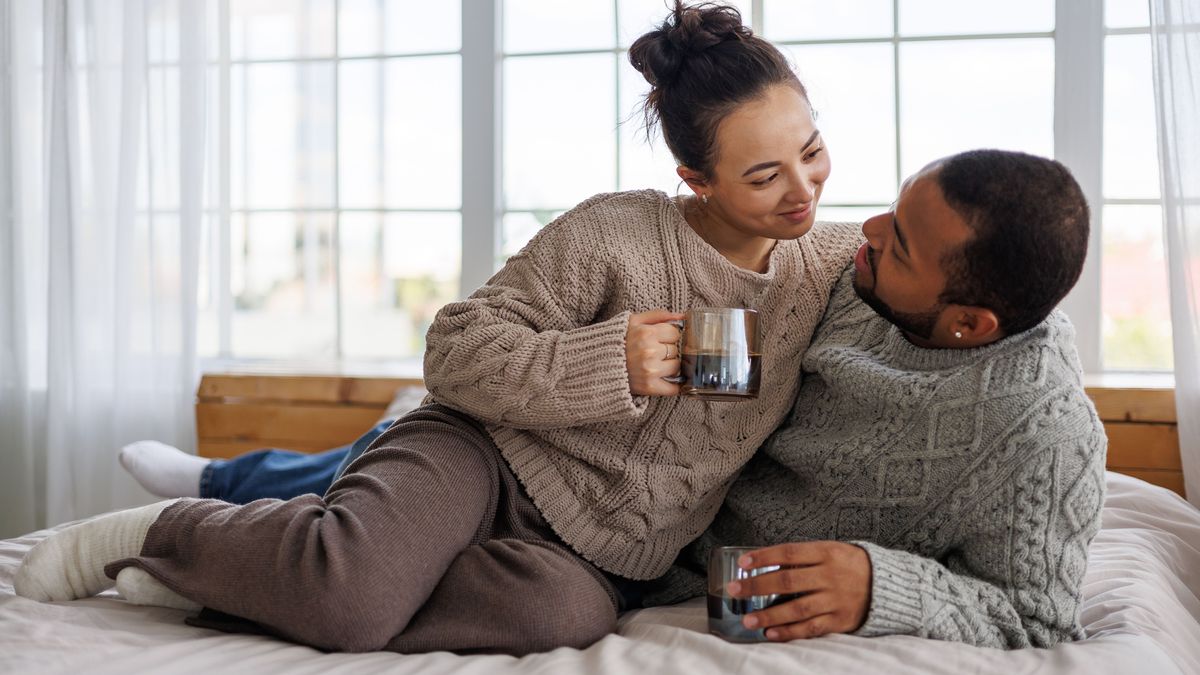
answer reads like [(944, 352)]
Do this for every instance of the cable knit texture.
[(973, 479), (538, 355)]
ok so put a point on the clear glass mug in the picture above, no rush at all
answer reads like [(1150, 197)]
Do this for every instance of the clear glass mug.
[(724, 611), (720, 354)]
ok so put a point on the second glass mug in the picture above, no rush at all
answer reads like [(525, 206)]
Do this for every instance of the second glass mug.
[(720, 354), (725, 613)]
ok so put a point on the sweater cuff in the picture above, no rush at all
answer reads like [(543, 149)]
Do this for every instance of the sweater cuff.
[(595, 376), (895, 594)]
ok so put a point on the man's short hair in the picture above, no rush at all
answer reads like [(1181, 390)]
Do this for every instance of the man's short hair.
[(1031, 224)]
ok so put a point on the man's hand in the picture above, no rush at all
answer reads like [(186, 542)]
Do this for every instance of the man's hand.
[(832, 578)]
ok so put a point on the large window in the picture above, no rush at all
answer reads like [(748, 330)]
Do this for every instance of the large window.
[(336, 231), (1135, 309), (376, 170), (572, 123), (897, 84)]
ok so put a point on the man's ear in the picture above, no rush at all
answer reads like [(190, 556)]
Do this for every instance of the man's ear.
[(694, 179), (978, 325)]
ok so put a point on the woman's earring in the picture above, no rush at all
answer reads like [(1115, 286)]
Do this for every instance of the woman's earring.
[(958, 334), (704, 198)]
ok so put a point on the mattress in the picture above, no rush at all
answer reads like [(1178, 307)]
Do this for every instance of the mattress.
[(1141, 613)]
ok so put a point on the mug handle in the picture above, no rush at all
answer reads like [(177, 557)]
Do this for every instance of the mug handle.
[(680, 324)]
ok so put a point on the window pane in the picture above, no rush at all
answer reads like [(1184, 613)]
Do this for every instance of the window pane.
[(821, 19), (851, 88), (1136, 311), (642, 16), (156, 189), (361, 28), (369, 27), (1126, 13), (644, 164), (153, 247), (402, 149), (397, 270), (282, 280), (553, 25), (280, 29), (282, 135), (423, 133), (959, 95), (950, 17), (162, 33), (1130, 140), (559, 130), (848, 214), (208, 289), (519, 227), (360, 134)]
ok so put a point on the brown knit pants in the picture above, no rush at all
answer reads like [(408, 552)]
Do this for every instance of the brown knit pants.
[(427, 543)]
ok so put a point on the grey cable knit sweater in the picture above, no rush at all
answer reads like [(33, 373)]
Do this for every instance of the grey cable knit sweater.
[(973, 479), (538, 355)]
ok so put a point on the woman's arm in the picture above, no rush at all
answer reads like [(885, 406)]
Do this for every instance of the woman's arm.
[(526, 350)]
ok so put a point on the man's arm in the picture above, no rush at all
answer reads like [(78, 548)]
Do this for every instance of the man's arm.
[(1013, 580)]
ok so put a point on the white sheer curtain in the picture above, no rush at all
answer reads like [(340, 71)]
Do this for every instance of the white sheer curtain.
[(102, 137), (1175, 37)]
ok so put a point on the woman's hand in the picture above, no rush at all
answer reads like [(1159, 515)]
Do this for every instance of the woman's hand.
[(833, 580), (652, 352)]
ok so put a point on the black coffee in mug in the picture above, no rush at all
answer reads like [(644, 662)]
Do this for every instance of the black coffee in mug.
[(727, 376), (725, 616)]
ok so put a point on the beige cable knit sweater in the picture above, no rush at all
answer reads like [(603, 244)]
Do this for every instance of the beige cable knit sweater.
[(538, 355)]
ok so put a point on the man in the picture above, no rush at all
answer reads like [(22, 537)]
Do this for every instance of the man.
[(942, 472)]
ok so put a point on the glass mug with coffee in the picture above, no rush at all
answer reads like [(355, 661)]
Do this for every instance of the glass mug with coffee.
[(725, 612), (720, 354)]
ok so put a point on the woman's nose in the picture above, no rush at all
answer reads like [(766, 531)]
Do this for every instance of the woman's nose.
[(802, 191)]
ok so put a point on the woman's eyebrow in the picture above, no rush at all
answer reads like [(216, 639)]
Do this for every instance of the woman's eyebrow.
[(767, 165)]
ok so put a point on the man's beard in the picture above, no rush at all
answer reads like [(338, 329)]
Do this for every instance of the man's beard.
[(920, 324)]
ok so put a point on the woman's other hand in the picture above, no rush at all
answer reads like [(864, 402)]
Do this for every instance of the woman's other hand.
[(652, 352)]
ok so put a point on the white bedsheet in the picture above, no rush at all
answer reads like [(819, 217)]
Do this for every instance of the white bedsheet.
[(1141, 613)]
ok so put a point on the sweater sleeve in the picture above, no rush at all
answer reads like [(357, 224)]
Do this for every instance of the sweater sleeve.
[(525, 350), (1015, 579)]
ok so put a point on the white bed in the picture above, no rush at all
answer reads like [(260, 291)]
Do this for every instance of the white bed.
[(1141, 613)]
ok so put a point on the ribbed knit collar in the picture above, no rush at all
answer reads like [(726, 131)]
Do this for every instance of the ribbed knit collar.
[(895, 349), (712, 273)]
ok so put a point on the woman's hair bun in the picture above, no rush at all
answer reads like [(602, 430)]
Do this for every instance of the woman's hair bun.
[(687, 31)]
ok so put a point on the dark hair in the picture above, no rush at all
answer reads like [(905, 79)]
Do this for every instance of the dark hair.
[(702, 63), (1031, 223)]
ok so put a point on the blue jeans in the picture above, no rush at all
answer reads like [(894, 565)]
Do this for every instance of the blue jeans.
[(281, 474)]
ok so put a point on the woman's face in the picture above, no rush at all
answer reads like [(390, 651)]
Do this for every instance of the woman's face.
[(771, 166)]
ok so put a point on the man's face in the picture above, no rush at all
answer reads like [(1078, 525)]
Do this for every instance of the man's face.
[(900, 271)]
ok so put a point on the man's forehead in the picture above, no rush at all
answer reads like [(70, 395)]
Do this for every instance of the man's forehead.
[(927, 219), (927, 171)]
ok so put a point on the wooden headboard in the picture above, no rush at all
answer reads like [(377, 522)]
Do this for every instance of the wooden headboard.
[(236, 413)]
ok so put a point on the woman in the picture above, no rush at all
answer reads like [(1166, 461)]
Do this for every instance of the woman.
[(555, 452)]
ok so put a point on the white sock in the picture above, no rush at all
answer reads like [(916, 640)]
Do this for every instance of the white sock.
[(70, 564), (163, 470), (139, 588)]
